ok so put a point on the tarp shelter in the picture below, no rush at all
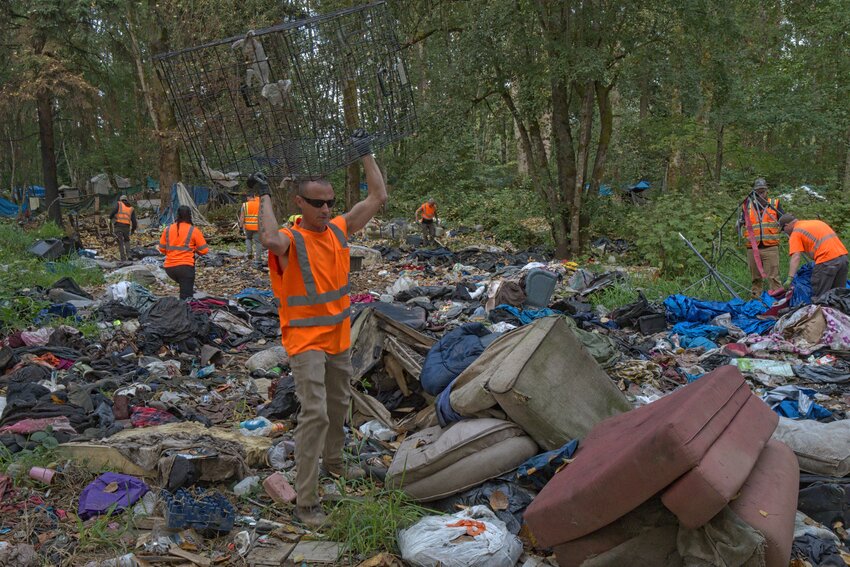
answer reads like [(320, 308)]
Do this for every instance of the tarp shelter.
[(180, 195), (605, 190), (8, 208), (641, 185), (101, 186)]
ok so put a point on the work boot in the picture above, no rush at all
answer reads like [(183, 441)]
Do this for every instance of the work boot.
[(311, 516), (348, 472)]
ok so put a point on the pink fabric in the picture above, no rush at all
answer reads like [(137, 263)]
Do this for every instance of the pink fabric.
[(362, 298), (37, 338), (26, 426)]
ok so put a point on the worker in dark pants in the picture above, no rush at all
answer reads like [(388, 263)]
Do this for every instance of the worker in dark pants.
[(180, 242), (124, 222), (816, 239)]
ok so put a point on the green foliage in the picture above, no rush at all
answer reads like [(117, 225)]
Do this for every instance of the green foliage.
[(369, 523)]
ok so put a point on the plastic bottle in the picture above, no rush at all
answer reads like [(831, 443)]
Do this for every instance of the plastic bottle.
[(260, 427)]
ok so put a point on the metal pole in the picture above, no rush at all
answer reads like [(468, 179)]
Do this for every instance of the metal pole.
[(710, 268)]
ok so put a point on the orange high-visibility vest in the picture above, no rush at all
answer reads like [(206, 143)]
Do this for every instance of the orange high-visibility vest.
[(179, 242), (312, 290), (817, 239), (251, 214), (124, 214), (429, 211), (765, 227)]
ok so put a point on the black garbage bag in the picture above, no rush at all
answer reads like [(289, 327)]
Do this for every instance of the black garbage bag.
[(627, 315), (69, 285), (284, 403), (172, 321), (116, 311)]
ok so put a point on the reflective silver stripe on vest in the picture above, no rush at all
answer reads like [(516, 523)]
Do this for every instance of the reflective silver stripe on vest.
[(313, 297), (185, 244), (321, 321), (816, 241)]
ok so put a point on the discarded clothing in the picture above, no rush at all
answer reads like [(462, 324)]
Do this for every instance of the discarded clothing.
[(510, 293), (818, 552), (538, 470), (796, 403), (55, 311), (284, 403), (452, 355), (802, 285), (146, 417), (171, 321), (68, 284), (110, 493), (525, 316), (681, 308), (823, 373)]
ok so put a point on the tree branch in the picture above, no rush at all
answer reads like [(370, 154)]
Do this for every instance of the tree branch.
[(425, 35)]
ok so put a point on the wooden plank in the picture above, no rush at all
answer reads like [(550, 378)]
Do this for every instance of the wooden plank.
[(193, 557), (409, 361), (394, 369)]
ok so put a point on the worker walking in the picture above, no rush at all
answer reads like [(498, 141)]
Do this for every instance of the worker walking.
[(309, 267), (123, 217), (427, 215), (760, 219), (180, 242), (248, 216), (816, 239)]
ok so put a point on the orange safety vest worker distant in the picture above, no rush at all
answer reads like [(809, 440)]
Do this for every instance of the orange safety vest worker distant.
[(427, 215), (124, 218), (249, 221), (759, 225), (250, 212), (124, 214), (816, 239), (180, 242)]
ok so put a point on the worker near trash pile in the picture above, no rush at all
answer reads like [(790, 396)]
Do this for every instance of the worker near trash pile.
[(309, 267), (817, 240), (180, 241), (760, 221), (427, 215), (124, 222), (248, 217)]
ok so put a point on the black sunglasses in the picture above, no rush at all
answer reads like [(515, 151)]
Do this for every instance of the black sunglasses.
[(317, 203)]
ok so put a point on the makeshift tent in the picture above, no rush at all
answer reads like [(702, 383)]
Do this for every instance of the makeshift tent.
[(641, 185), (8, 208), (181, 196), (100, 183)]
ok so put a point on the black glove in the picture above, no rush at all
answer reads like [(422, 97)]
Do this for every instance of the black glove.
[(361, 140), (260, 182)]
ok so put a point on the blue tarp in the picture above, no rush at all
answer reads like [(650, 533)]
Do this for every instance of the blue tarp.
[(640, 186), (451, 355), (201, 196), (696, 335), (795, 403), (526, 316), (802, 285), (539, 469), (681, 308), (8, 208)]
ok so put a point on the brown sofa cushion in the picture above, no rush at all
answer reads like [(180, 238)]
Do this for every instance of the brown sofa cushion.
[(630, 457), (704, 490)]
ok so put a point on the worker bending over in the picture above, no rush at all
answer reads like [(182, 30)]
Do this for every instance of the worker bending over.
[(309, 268), (248, 216), (180, 242), (124, 218), (816, 239), (427, 215), (760, 216)]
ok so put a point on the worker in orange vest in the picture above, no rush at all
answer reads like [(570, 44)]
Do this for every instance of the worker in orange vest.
[(180, 242), (309, 267), (759, 224), (124, 222), (427, 215), (248, 223), (816, 239)]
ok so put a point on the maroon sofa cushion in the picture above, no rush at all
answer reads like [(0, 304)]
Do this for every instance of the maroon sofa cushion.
[(768, 500), (703, 491), (630, 457)]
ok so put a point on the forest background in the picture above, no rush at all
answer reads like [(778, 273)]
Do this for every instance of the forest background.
[(535, 116)]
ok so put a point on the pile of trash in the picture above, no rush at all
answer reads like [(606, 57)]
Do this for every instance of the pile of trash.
[(485, 384)]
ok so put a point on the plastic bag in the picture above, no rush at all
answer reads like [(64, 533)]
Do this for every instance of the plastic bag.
[(432, 542)]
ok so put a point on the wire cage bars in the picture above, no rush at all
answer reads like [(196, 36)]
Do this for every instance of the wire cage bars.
[(286, 99)]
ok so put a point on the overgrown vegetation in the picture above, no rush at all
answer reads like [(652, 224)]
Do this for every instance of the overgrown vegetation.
[(369, 523)]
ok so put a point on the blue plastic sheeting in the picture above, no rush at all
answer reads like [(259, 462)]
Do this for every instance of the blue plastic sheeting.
[(698, 335), (526, 316), (55, 311), (8, 208), (201, 196), (253, 291), (802, 285), (539, 469), (681, 308), (795, 403)]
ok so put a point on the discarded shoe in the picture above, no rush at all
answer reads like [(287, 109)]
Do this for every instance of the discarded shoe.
[(312, 516)]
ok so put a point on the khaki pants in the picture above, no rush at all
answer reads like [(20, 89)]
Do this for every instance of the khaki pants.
[(828, 275), (122, 234), (323, 387), (429, 231), (770, 263)]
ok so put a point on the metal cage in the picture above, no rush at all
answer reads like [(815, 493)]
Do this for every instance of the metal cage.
[(285, 100)]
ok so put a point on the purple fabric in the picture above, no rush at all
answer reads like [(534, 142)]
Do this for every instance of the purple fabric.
[(94, 501)]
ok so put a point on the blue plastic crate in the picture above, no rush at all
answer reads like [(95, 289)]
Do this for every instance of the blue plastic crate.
[(207, 512)]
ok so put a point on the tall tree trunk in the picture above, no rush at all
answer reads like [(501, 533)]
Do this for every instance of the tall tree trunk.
[(564, 152), (169, 138), (539, 171), (644, 95), (718, 154), (606, 129), (674, 163), (583, 157), (44, 103), (132, 24)]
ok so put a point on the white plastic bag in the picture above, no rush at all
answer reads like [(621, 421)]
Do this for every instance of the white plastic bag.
[(431, 543), (403, 283)]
